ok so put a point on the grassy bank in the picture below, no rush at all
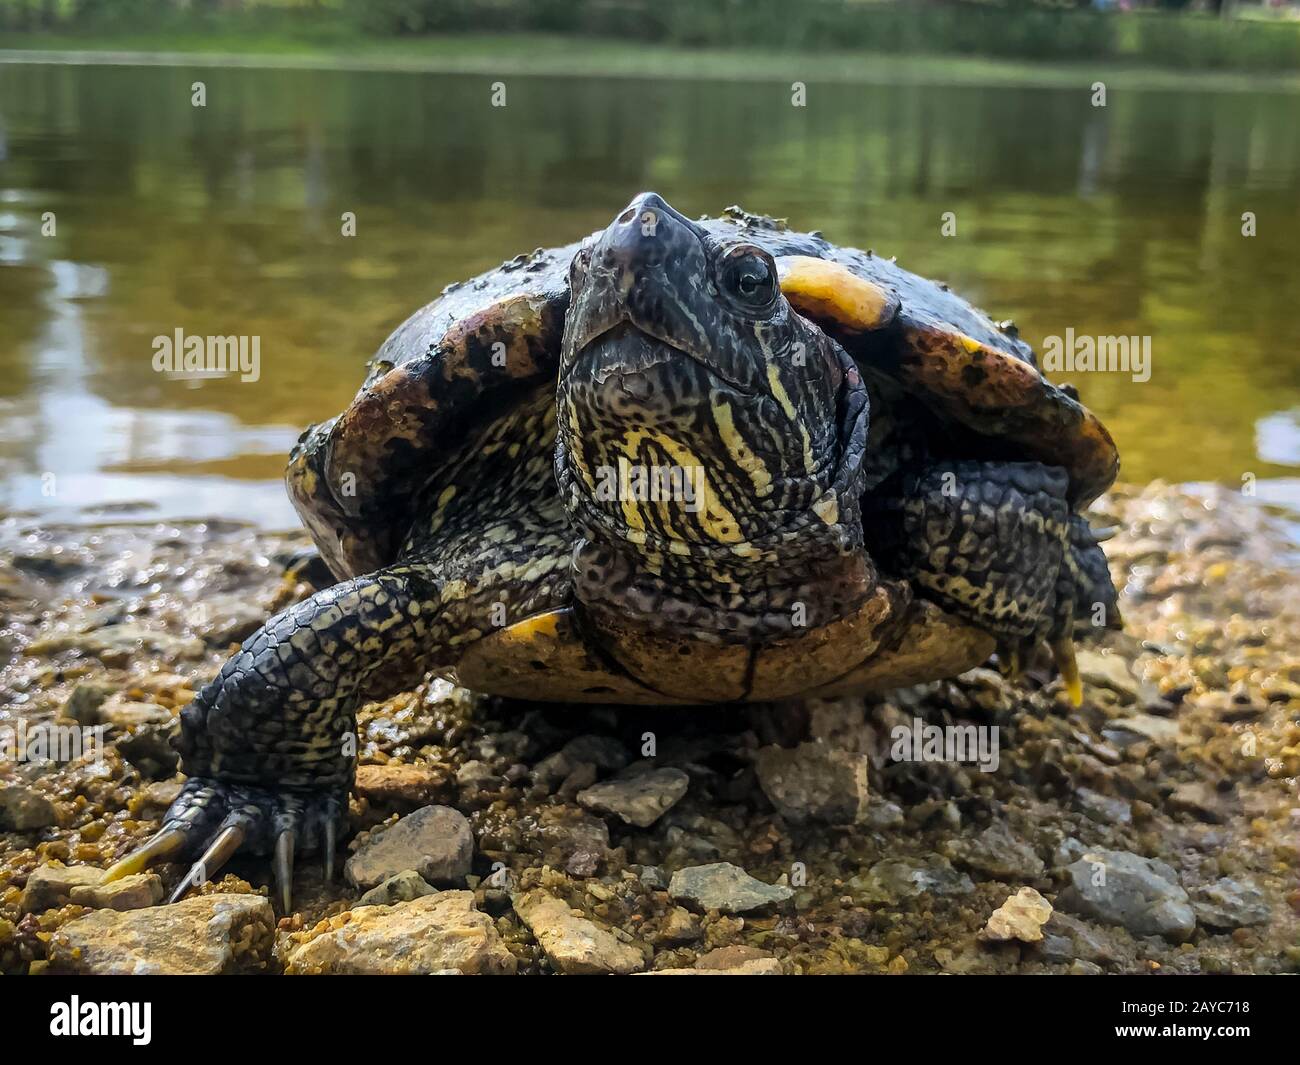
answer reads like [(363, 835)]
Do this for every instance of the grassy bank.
[(551, 55), (413, 28)]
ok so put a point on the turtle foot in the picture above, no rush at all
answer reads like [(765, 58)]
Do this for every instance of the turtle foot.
[(213, 820)]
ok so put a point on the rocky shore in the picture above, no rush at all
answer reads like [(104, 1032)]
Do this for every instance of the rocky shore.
[(1157, 828)]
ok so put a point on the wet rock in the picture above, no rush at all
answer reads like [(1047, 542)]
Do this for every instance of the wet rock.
[(403, 887), (1085, 968), (726, 888), (151, 752), (23, 809), (1021, 917), (903, 878), (814, 782), (126, 713), (1104, 809), (1140, 894), (1229, 903), (162, 793), (427, 935), (1100, 669), (996, 853), (401, 786), (435, 841), (1126, 731), (84, 702), (575, 945), (50, 886), (209, 935), (133, 892), (112, 643), (637, 800)]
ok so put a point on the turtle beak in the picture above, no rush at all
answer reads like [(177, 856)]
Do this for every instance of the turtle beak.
[(650, 268)]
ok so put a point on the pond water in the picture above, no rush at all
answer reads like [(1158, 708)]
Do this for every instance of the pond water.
[(226, 219)]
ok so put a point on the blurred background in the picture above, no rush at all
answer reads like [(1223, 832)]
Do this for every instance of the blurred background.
[(1123, 219)]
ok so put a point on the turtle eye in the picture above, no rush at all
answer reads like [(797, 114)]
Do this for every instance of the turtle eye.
[(749, 277)]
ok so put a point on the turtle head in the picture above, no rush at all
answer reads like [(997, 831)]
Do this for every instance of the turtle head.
[(698, 413)]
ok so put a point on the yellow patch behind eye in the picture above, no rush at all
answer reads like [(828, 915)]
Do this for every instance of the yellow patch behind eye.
[(826, 291)]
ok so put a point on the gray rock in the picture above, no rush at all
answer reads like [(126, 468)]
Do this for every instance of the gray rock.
[(1126, 731), (436, 842), (637, 800), (726, 888), (882, 816), (604, 752), (996, 853), (23, 809), (1140, 894), (403, 887), (575, 945), (1227, 904), (1104, 809), (428, 935), (1083, 941), (904, 878), (814, 782), (209, 935), (1067, 851), (1199, 799)]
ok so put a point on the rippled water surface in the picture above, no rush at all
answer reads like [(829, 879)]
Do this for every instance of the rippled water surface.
[(1123, 220)]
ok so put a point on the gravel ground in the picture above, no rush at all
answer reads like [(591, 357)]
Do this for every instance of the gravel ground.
[(1155, 829)]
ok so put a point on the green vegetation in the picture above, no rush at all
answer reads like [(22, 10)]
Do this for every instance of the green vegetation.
[(1016, 30)]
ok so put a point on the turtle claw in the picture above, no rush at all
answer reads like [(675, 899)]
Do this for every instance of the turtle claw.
[(329, 851), (284, 869), (167, 841), (219, 851), (218, 820)]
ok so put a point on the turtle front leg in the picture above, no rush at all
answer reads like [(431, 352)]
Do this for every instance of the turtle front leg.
[(269, 745), (997, 544)]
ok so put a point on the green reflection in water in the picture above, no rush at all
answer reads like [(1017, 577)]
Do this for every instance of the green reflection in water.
[(226, 219)]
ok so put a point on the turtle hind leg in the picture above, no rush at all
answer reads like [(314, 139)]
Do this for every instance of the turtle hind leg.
[(995, 543), (269, 746)]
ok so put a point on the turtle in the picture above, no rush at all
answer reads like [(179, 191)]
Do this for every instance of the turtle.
[(689, 462)]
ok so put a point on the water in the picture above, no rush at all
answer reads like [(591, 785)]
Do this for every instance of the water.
[(226, 220)]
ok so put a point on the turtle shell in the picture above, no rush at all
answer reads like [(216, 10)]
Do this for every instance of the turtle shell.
[(487, 344)]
